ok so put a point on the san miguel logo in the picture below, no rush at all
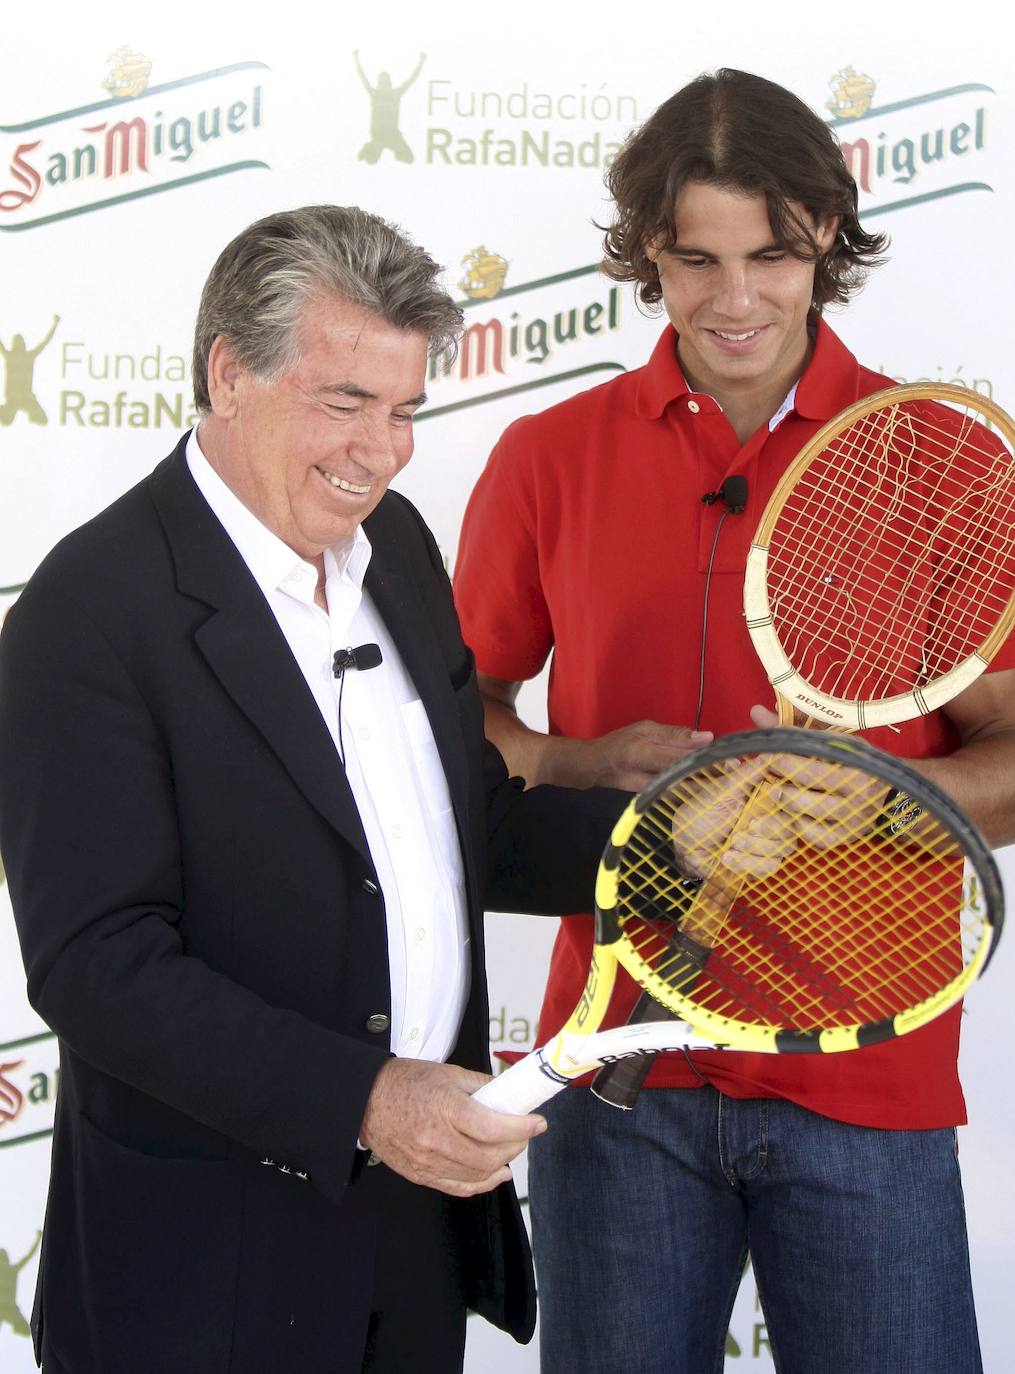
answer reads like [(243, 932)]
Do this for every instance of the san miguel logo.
[(518, 125), (907, 152), (553, 330), (29, 1080), (142, 140)]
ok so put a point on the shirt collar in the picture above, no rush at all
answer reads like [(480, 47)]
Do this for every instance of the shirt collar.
[(830, 382), (272, 563)]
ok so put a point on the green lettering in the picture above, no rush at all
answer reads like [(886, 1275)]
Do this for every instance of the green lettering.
[(438, 141), (72, 403), (56, 170), (173, 412), (38, 1090)]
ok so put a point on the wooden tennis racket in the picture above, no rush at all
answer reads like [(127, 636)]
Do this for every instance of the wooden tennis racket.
[(881, 579), (825, 899)]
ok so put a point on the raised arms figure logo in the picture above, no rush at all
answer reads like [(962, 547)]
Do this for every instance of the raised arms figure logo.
[(385, 106), (9, 1310), (19, 362)]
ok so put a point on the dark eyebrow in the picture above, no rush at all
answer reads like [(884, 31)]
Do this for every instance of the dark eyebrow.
[(685, 251), (360, 393)]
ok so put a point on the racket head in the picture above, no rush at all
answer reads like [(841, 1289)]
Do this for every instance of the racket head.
[(881, 579), (841, 945)]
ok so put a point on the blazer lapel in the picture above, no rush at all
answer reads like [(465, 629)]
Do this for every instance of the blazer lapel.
[(397, 597), (244, 647)]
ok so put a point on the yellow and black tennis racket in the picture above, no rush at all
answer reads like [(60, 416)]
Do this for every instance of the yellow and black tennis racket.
[(881, 579), (784, 891)]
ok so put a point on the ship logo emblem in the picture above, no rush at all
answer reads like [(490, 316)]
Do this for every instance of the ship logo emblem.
[(852, 93), (484, 274), (127, 73)]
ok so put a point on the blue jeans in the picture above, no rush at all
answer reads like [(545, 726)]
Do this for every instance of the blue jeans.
[(643, 1220)]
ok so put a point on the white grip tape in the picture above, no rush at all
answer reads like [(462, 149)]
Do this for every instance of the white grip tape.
[(520, 1089)]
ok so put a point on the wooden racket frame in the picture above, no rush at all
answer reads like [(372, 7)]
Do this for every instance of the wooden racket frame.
[(794, 692)]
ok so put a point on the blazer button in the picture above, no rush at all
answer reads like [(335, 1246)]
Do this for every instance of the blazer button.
[(378, 1022), (369, 886)]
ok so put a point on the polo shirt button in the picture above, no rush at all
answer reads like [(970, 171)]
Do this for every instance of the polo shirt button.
[(693, 407), (378, 1022), (369, 886)]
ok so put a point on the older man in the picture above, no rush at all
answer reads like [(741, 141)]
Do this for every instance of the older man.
[(249, 822)]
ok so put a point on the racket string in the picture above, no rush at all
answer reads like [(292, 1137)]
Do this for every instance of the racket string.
[(811, 947), (871, 538)]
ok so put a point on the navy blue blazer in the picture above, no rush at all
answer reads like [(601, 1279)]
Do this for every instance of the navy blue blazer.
[(200, 923)]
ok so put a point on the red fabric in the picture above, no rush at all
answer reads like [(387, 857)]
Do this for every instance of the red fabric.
[(586, 535)]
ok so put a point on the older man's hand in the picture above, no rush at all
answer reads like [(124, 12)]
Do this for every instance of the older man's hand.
[(422, 1122)]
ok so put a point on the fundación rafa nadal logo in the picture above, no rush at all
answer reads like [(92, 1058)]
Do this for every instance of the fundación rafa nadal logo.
[(10, 1313), (19, 372), (520, 124), (385, 110)]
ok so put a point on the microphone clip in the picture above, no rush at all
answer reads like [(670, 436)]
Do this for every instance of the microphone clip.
[(733, 493), (363, 657)]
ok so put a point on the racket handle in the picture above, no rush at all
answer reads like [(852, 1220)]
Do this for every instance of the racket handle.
[(619, 1084), (521, 1088)]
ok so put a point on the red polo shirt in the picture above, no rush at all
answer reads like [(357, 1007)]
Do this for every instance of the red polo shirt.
[(586, 535)]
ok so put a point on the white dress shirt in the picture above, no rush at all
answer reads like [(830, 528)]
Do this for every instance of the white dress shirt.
[(376, 719)]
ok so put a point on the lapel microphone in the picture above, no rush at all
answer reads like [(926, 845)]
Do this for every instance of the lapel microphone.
[(364, 656), (732, 493)]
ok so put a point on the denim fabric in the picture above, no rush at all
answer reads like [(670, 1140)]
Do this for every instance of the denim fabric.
[(643, 1220)]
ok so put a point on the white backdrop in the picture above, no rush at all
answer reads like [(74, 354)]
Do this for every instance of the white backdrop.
[(112, 210)]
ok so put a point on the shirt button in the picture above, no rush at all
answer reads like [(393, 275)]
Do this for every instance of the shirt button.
[(414, 1033), (363, 732), (397, 832), (378, 1022), (420, 932), (370, 887), (693, 407)]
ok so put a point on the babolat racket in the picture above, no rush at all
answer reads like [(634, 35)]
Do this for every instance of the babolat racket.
[(784, 891), (881, 579)]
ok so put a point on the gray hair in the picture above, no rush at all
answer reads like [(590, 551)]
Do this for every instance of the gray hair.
[(262, 282)]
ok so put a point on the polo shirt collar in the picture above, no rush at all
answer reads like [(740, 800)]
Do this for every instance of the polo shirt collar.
[(831, 380), (661, 380)]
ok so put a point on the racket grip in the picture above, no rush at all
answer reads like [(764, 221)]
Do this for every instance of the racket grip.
[(619, 1084), (521, 1088)]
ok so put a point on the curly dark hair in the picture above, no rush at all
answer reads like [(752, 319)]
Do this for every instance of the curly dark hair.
[(736, 130)]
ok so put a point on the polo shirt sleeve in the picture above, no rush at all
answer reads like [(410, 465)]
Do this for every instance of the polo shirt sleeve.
[(498, 588)]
